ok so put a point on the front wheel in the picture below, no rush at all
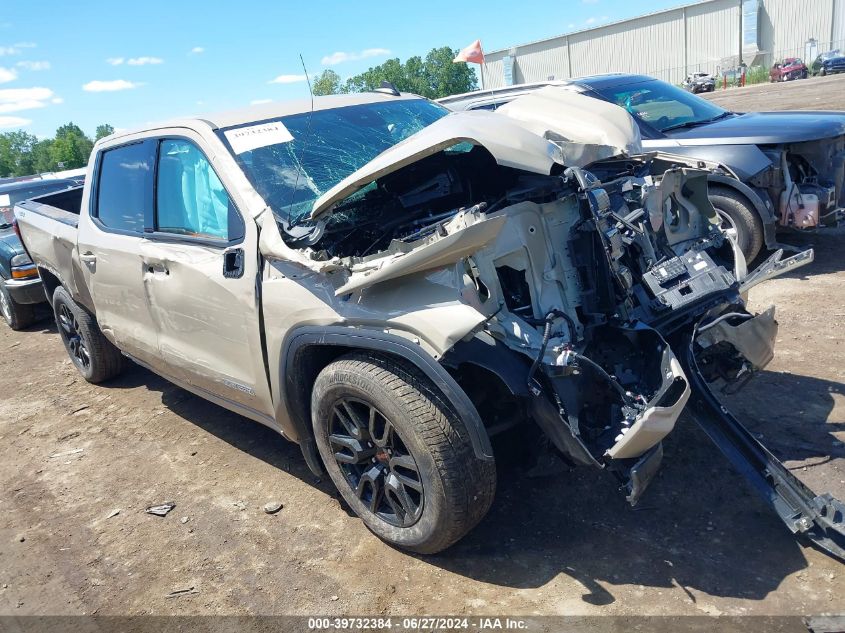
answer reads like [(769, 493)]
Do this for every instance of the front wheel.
[(92, 353), (739, 220), (399, 455), (17, 315)]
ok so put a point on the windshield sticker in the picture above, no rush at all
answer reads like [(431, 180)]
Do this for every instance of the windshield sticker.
[(245, 139)]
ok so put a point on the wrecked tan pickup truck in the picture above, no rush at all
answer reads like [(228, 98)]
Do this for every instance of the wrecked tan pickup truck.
[(390, 286)]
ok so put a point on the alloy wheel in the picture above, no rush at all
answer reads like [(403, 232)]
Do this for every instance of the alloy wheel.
[(376, 462), (69, 330)]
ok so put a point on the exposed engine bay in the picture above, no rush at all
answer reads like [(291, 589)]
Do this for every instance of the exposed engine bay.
[(581, 278), (806, 182)]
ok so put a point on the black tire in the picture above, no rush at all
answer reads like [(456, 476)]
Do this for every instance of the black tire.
[(17, 315), (822, 72), (738, 211), (457, 488), (92, 353)]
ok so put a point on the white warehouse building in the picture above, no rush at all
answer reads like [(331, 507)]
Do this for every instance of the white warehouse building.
[(708, 36)]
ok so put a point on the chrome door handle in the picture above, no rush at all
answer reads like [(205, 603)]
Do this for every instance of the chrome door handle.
[(88, 258)]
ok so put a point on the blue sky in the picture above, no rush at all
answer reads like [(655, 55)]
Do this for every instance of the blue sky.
[(130, 63)]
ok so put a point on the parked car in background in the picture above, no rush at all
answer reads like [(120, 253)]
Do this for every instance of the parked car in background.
[(829, 63), (789, 69), (700, 82), (390, 286), (777, 170), (20, 286)]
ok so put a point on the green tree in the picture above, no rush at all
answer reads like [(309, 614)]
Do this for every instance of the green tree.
[(433, 77), (327, 83), (71, 148), (444, 77), (41, 156), (103, 130), (16, 153)]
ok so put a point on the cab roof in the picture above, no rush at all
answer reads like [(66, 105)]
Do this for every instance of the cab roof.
[(272, 110)]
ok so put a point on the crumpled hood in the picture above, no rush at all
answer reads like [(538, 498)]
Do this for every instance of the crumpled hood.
[(756, 128), (586, 129), (511, 144)]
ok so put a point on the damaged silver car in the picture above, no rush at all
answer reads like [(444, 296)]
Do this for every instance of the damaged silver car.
[(390, 286)]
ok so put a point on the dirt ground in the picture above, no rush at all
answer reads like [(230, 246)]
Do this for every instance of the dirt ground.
[(72, 454)]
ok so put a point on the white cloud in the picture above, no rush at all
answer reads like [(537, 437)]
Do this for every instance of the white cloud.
[(143, 61), (259, 101), (571, 26), (340, 57), (14, 121), (590, 20), (15, 49), (287, 79), (115, 61), (197, 50), (19, 99), (30, 65), (7, 74), (57, 100), (18, 106), (603, 18), (11, 95), (109, 86)]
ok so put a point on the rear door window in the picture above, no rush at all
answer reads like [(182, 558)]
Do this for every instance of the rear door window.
[(125, 187)]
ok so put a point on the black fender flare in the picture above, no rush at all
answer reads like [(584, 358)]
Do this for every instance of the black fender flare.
[(346, 338), (767, 216)]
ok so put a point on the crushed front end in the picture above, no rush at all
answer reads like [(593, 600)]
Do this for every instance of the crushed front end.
[(578, 286)]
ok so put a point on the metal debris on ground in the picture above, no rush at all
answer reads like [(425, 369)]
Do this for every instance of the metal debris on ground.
[(161, 509), (273, 507), (66, 453), (182, 592), (113, 513), (183, 520)]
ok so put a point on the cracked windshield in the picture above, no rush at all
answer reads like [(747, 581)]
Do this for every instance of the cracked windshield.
[(316, 155)]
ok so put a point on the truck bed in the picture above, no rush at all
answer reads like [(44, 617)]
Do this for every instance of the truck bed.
[(48, 226)]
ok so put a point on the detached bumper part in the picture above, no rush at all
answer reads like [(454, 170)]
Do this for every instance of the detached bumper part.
[(819, 518), (753, 338), (658, 420)]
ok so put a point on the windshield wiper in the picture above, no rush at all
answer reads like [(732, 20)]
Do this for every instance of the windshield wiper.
[(686, 124)]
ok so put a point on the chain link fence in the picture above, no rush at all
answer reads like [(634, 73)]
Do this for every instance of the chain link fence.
[(728, 72)]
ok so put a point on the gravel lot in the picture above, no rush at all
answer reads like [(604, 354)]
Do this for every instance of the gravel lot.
[(72, 454)]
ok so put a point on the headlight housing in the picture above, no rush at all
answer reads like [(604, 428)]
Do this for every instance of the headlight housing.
[(21, 260), (22, 267)]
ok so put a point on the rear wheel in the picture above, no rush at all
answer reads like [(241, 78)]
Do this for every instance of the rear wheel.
[(739, 219), (399, 455), (92, 353), (16, 315)]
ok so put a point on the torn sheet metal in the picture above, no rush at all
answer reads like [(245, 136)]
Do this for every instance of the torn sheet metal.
[(586, 129), (680, 206), (272, 246), (461, 236), (753, 338)]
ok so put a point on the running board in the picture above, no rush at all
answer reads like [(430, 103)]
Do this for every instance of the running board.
[(819, 518)]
